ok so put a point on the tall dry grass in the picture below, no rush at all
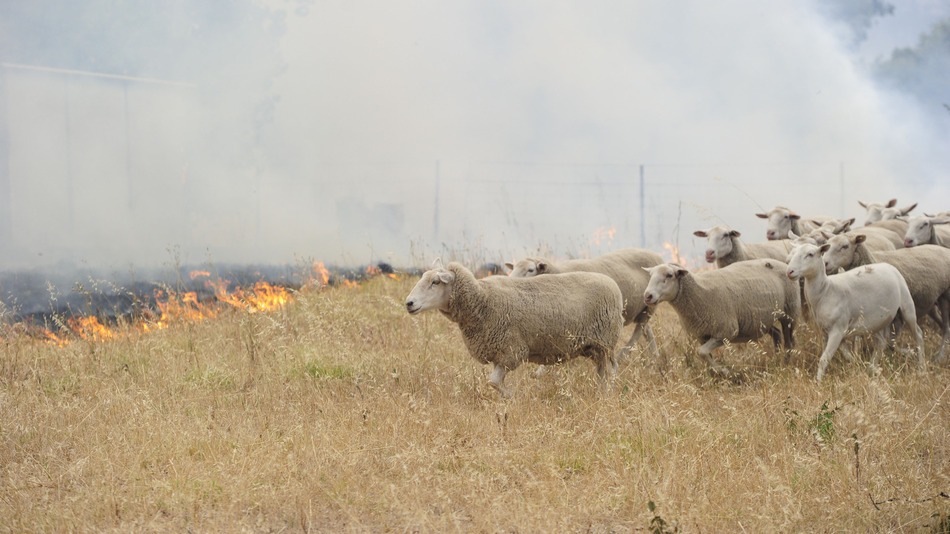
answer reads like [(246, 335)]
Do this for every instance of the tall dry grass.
[(343, 413)]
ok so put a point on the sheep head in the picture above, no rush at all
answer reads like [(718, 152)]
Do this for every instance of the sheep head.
[(875, 209), (780, 222), (431, 292), (664, 284), (526, 268), (718, 241), (805, 261), (841, 249), (920, 230)]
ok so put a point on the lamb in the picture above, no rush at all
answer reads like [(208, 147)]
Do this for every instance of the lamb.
[(738, 303), (508, 321), (624, 267), (782, 221), (927, 230), (724, 247), (861, 301), (925, 268)]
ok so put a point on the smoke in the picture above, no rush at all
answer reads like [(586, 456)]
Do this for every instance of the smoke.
[(357, 132)]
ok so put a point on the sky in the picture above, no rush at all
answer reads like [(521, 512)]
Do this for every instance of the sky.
[(482, 131)]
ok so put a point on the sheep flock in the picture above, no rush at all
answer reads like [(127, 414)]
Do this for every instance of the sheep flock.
[(886, 282)]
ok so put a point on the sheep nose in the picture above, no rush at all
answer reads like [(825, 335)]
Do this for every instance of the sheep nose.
[(408, 304), (770, 235), (908, 243)]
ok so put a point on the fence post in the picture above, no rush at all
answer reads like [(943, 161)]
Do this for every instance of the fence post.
[(643, 229)]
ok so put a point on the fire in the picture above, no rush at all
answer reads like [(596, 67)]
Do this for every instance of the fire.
[(604, 235), (199, 274), (173, 307), (674, 251), (321, 272), (90, 327)]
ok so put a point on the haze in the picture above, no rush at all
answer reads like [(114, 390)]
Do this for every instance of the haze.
[(375, 131)]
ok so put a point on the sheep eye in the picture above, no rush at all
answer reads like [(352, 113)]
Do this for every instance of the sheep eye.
[(810, 255), (436, 282), (844, 247), (669, 275)]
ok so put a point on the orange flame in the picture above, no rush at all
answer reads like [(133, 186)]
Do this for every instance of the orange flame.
[(90, 327), (604, 235), (198, 274)]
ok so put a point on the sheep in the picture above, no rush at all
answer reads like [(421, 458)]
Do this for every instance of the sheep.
[(927, 230), (724, 247), (783, 220), (738, 303), (877, 211), (925, 268), (624, 266), (861, 301), (508, 321)]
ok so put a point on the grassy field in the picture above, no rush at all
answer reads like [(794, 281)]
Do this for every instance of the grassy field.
[(340, 412)]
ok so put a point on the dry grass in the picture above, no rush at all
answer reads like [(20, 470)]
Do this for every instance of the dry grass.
[(343, 413)]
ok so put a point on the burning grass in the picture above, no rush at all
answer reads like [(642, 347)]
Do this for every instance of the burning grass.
[(337, 411)]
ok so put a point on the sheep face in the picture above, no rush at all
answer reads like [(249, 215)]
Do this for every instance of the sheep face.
[(841, 251), (805, 261), (664, 284), (780, 222), (525, 268), (718, 241), (875, 209), (920, 230), (888, 214), (431, 292)]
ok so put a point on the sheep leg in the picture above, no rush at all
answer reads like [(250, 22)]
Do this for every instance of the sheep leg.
[(606, 367), (846, 350), (637, 332), (706, 349), (497, 380), (944, 305), (788, 336), (880, 342), (835, 336)]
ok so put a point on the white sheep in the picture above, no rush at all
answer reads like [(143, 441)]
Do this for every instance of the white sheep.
[(782, 221), (724, 247), (863, 301), (877, 211), (738, 303), (624, 267), (927, 230), (508, 321), (925, 268)]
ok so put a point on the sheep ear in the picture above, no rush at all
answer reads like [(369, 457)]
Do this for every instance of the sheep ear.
[(941, 220), (908, 209), (681, 272), (542, 267), (762, 215), (824, 248), (891, 203), (446, 277), (700, 233), (863, 205), (734, 233), (437, 264), (510, 266), (826, 235), (860, 238), (794, 216)]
